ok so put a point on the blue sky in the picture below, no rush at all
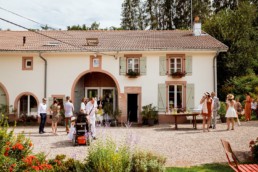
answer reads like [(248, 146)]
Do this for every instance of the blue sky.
[(61, 13)]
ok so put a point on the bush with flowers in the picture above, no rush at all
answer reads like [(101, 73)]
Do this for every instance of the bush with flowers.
[(254, 149), (15, 152)]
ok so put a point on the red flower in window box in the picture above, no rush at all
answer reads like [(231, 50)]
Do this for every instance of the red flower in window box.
[(178, 74)]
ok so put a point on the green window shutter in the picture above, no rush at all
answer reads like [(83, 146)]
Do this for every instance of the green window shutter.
[(162, 98), (143, 66), (162, 66), (189, 96), (122, 70), (50, 102), (188, 65)]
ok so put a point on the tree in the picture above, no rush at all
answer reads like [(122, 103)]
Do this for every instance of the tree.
[(94, 26), (242, 56), (130, 14), (219, 5)]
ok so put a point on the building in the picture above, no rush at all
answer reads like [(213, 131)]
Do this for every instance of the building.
[(170, 69)]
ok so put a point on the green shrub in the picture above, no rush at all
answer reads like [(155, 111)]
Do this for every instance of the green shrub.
[(60, 164), (106, 156), (222, 109), (147, 162)]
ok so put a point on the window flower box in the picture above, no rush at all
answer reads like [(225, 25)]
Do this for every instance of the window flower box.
[(178, 74), (132, 74)]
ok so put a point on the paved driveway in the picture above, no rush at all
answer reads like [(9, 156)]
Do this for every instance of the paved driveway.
[(183, 147)]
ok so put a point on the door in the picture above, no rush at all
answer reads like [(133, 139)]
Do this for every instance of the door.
[(132, 107)]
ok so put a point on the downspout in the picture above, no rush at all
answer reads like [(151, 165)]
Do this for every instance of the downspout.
[(45, 75), (215, 72)]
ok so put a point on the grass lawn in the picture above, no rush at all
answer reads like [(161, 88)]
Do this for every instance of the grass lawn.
[(202, 168)]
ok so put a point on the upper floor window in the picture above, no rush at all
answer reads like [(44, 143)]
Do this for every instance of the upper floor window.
[(27, 63), (133, 65), (176, 64)]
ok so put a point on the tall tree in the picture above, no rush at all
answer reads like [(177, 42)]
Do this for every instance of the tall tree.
[(130, 14), (242, 57), (224, 4)]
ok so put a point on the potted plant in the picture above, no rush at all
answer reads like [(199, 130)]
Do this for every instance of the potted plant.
[(222, 112), (149, 114), (178, 74), (132, 74), (116, 114)]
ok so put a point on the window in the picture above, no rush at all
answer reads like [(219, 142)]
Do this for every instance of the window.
[(176, 65), (95, 62), (27, 63), (175, 96), (133, 65)]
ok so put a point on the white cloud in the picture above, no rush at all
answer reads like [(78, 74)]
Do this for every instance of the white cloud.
[(61, 13)]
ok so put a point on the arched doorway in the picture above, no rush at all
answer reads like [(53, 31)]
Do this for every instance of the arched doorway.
[(96, 84), (26, 104), (3, 101)]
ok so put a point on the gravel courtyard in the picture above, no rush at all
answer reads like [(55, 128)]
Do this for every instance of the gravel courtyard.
[(182, 147)]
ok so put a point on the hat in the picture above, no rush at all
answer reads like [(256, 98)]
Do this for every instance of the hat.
[(207, 94), (44, 99), (230, 96), (73, 118)]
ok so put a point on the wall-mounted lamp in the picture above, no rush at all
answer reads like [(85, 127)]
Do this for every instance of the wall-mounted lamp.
[(116, 55)]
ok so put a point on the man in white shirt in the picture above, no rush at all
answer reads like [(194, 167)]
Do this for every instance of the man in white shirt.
[(91, 109), (68, 107), (42, 113)]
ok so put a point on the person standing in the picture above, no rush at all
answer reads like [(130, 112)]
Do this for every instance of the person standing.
[(216, 107), (83, 106), (42, 113), (91, 109), (55, 109), (238, 108), (248, 111), (231, 112), (68, 107), (207, 108)]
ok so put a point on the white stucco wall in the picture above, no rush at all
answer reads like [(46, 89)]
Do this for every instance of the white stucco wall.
[(64, 68)]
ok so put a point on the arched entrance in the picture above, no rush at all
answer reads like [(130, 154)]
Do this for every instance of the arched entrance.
[(26, 104), (4, 98), (95, 84)]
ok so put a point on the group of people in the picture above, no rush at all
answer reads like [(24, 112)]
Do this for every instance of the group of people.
[(55, 112), (91, 108), (210, 106)]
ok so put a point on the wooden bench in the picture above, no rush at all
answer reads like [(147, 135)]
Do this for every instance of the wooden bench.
[(234, 162)]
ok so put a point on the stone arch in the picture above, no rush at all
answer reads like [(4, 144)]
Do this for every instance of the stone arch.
[(6, 93), (90, 71), (24, 94)]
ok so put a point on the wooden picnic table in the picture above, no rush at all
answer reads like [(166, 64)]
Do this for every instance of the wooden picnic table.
[(193, 114)]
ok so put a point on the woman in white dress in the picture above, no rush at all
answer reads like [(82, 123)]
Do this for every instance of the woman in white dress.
[(231, 112)]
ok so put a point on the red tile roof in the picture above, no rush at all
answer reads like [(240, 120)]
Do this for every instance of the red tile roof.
[(108, 41)]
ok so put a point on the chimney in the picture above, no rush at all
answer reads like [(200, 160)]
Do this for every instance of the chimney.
[(197, 27), (24, 40)]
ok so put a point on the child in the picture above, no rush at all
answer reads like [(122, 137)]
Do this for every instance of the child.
[(100, 113), (72, 128)]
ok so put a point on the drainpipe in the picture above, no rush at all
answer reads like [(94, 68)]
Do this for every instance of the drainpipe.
[(45, 75), (215, 72)]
